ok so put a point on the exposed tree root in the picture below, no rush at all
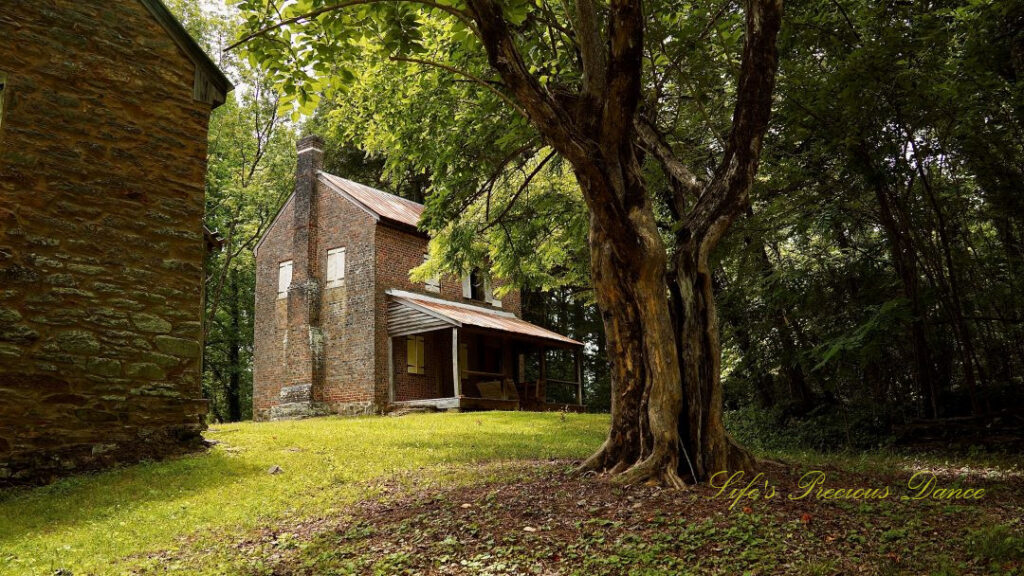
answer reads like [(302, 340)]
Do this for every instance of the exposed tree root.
[(595, 463), (659, 468), (739, 458)]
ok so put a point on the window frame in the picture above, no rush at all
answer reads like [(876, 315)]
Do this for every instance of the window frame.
[(477, 286)]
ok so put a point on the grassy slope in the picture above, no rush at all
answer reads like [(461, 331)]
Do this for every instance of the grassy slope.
[(90, 524)]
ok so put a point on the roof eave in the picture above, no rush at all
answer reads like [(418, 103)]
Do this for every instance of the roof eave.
[(210, 85)]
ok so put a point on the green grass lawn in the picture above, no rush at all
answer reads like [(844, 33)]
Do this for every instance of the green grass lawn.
[(107, 523)]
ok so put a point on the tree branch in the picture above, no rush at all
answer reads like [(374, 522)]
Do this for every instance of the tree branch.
[(625, 62), (461, 15), (463, 73), (526, 183), (504, 56), (682, 178), (729, 190), (590, 41)]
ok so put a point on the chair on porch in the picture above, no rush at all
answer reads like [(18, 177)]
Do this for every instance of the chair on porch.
[(498, 390)]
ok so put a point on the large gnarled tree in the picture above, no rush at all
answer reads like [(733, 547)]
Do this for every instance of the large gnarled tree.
[(594, 86)]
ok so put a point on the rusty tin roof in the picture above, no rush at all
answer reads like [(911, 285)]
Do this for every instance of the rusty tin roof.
[(460, 314), (377, 202)]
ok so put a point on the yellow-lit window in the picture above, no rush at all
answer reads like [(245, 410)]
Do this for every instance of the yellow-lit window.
[(414, 352)]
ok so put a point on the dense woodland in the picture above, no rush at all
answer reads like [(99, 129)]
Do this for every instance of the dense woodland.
[(873, 280)]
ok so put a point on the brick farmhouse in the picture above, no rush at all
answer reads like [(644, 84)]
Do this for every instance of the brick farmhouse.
[(104, 107), (341, 328)]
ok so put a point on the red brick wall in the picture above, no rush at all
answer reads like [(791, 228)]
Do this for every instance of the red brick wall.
[(437, 377), (102, 162), (346, 315), (270, 324)]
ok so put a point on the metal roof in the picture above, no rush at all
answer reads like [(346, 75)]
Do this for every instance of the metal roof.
[(377, 202), (460, 314)]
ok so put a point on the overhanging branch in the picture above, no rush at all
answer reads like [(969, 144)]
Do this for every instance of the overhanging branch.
[(465, 74), (683, 180), (465, 17)]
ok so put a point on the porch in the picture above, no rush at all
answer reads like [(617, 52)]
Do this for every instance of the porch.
[(447, 355)]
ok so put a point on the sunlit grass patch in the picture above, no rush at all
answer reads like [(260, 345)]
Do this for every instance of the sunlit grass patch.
[(92, 524)]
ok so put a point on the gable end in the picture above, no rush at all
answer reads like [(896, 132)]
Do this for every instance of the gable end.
[(210, 85)]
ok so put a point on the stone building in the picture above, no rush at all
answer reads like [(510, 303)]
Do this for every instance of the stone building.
[(104, 107), (341, 328)]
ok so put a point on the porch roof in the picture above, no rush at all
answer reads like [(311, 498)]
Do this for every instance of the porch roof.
[(408, 310)]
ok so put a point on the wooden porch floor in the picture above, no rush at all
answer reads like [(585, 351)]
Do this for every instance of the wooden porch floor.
[(466, 403)]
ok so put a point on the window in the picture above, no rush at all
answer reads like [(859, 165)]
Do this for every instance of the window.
[(433, 283), (476, 286), (489, 295), (284, 278), (3, 84), (414, 346), (335, 267)]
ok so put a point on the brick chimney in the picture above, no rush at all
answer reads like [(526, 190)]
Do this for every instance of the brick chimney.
[(302, 394)]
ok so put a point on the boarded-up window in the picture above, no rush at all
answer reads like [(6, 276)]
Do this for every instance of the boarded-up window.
[(433, 283), (284, 278), (414, 351), (335, 266)]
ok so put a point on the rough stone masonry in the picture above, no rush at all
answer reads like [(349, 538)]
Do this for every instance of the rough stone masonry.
[(105, 107)]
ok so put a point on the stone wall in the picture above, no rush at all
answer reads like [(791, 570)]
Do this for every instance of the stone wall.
[(102, 161)]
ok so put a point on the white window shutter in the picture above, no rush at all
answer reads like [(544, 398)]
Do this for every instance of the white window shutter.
[(284, 278), (467, 286), (335, 266), (433, 283)]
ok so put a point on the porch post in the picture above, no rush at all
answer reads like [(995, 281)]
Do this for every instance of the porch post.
[(391, 368), (456, 382), (579, 377)]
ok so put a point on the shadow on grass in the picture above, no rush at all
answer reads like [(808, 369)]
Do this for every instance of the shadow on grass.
[(96, 497)]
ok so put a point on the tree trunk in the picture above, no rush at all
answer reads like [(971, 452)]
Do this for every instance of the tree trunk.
[(904, 260), (665, 358), (707, 444), (234, 355), (665, 361)]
